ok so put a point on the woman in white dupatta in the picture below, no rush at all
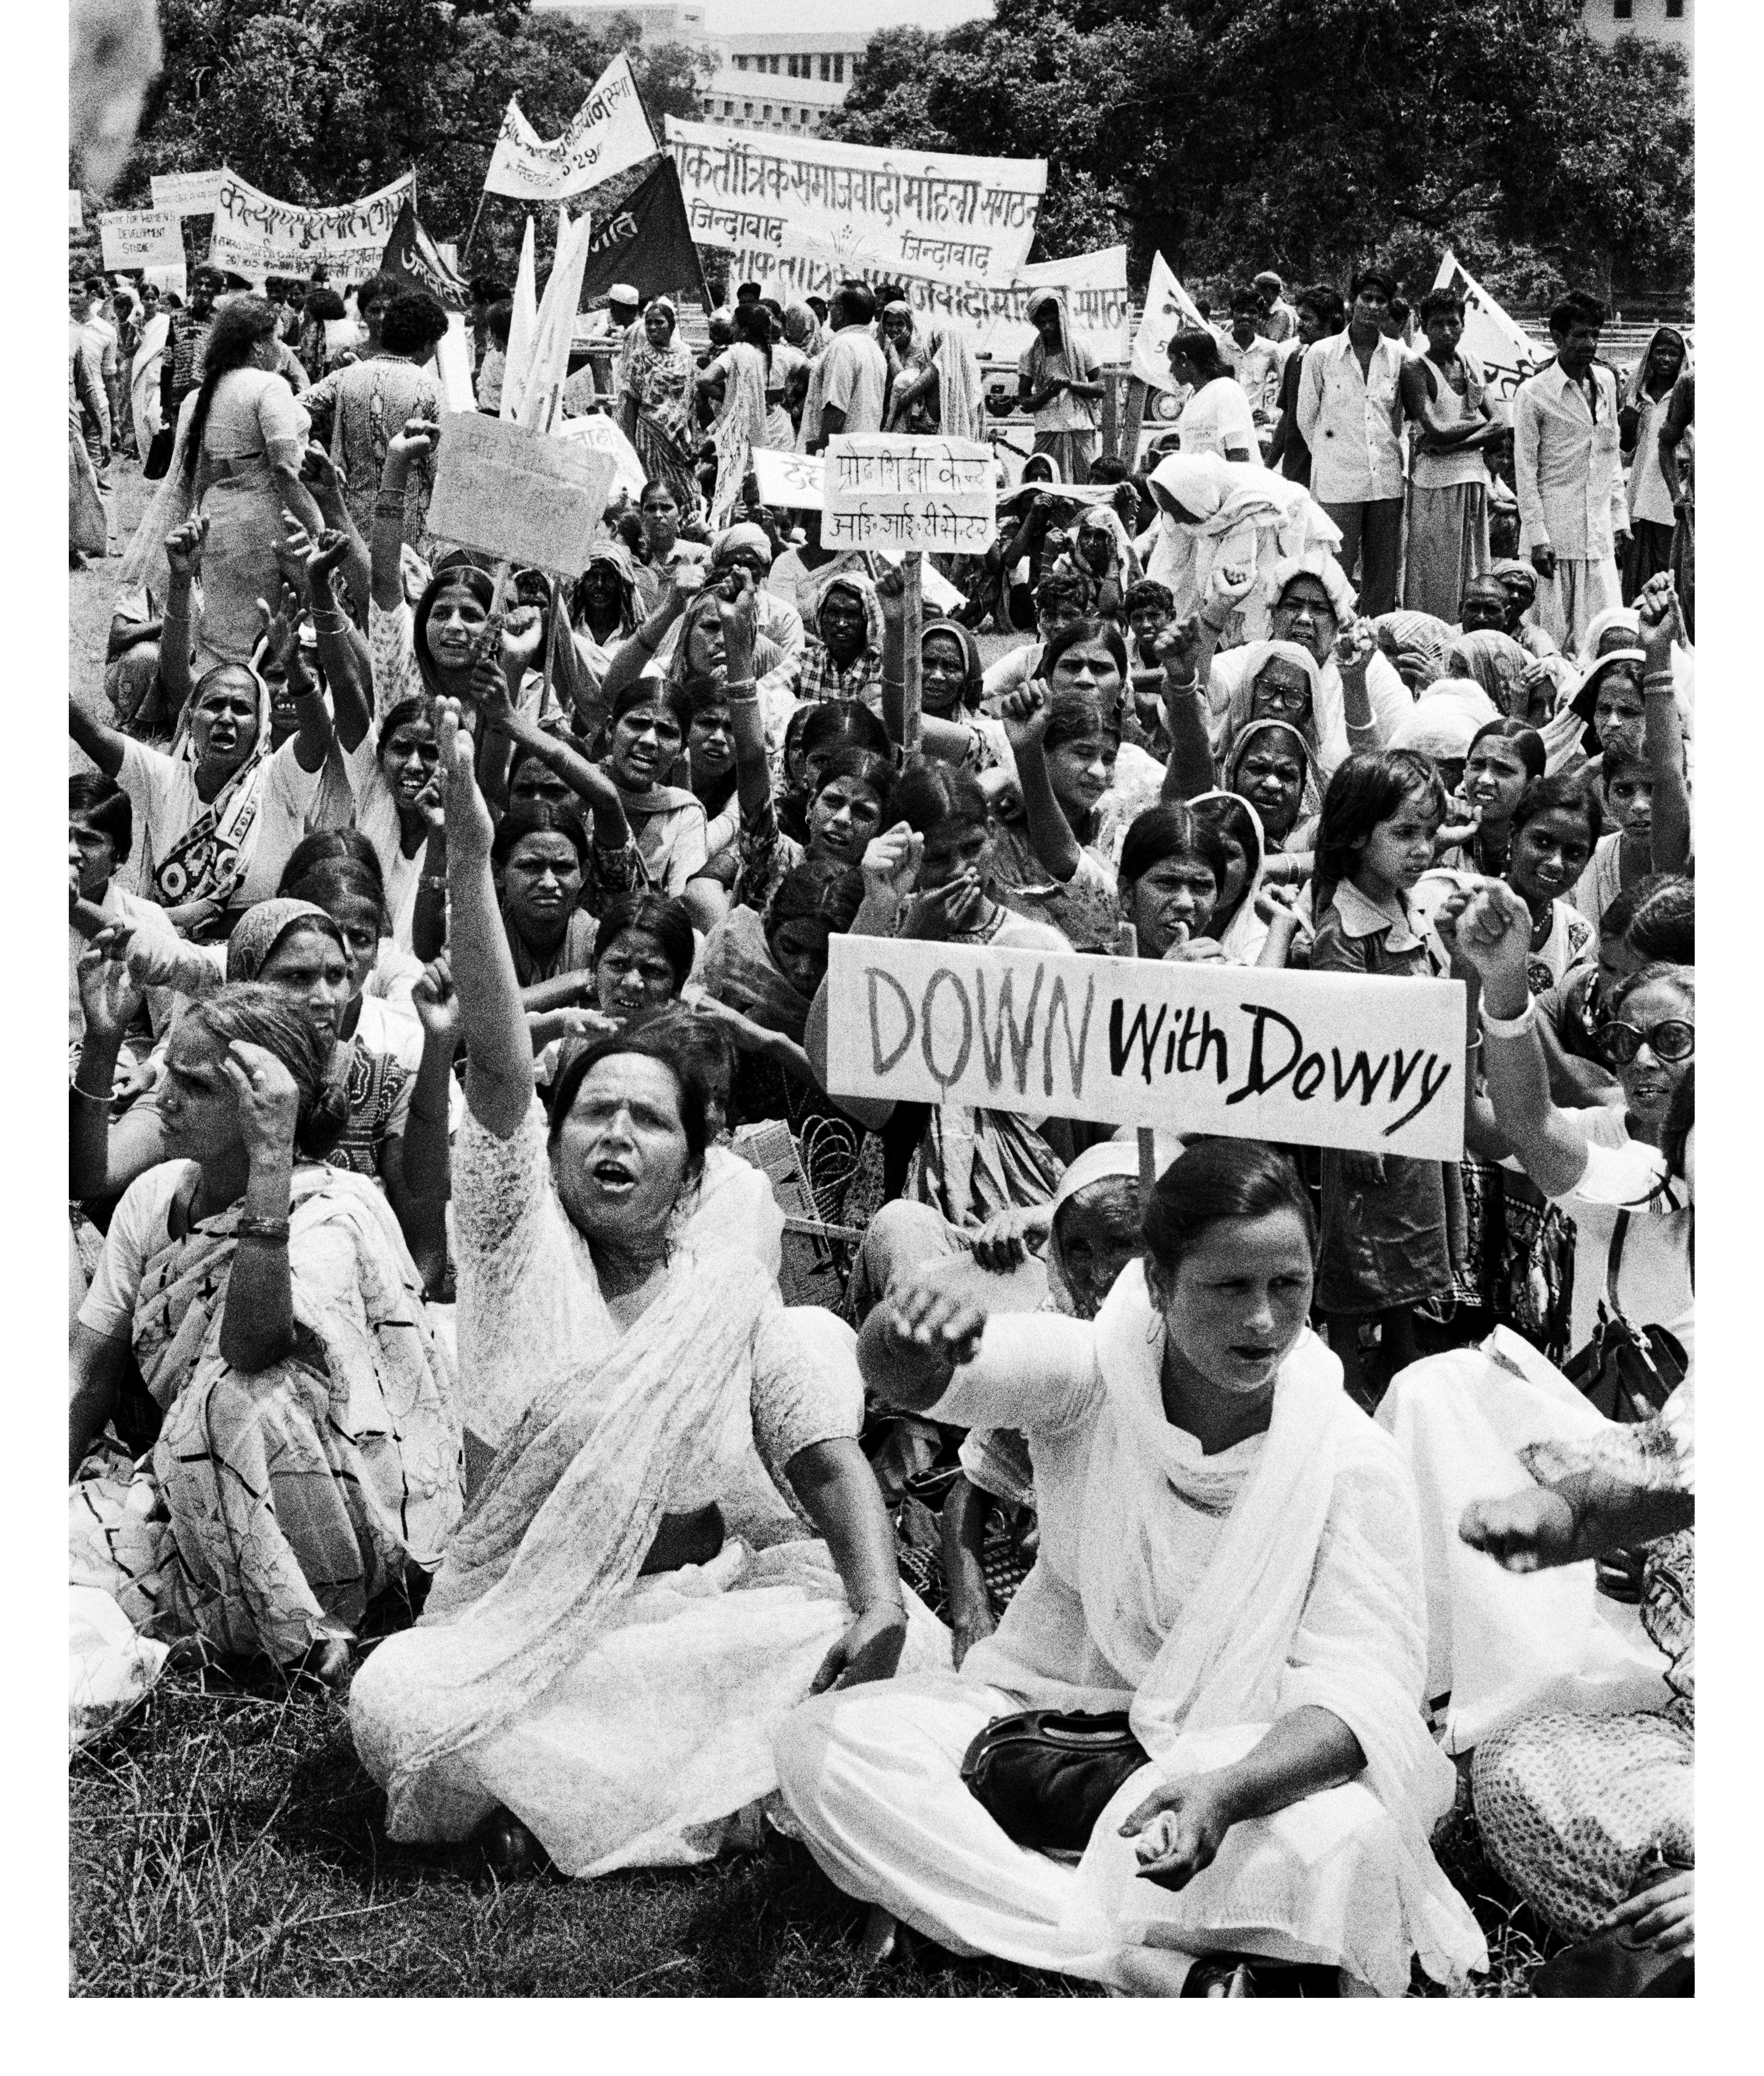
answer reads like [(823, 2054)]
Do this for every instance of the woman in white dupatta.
[(1229, 1550), (1213, 513), (596, 1672)]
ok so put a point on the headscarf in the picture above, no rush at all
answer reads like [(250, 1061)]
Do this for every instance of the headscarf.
[(1243, 933), (1310, 793), (1443, 722), (1634, 395), (619, 556), (1241, 711), (1102, 1163), (1318, 562), (738, 970), (854, 581), (962, 413), (813, 341), (262, 927), (1494, 661), (1224, 498), (1417, 639), (972, 690), (746, 535)]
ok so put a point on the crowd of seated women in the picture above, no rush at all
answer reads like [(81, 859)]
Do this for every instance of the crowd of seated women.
[(442, 981)]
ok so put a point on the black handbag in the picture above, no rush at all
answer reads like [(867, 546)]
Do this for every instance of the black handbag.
[(1044, 1778), (159, 453), (1626, 1374)]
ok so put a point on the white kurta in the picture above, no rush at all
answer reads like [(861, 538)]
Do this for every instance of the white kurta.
[(1208, 1596)]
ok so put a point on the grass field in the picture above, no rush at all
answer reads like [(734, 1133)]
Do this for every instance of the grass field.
[(229, 1844)]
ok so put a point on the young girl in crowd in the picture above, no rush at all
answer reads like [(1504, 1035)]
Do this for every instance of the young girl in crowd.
[(1386, 1246)]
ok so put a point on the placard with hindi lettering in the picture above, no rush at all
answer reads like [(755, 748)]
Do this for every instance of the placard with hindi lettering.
[(905, 490)]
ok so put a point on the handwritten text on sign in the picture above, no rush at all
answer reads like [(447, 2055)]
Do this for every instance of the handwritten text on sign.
[(512, 492), (1244, 1052), (140, 238), (900, 490)]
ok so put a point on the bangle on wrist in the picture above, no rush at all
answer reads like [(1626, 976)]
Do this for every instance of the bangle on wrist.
[(1509, 1027), (274, 1231), (92, 1095)]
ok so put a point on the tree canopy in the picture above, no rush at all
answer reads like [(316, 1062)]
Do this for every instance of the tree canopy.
[(319, 100), (1311, 136)]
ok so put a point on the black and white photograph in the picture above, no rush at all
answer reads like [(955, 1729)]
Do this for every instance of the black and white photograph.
[(881, 866)]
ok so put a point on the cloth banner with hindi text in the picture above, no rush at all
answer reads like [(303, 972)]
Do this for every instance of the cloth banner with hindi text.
[(256, 235), (609, 134), (187, 194), (937, 214)]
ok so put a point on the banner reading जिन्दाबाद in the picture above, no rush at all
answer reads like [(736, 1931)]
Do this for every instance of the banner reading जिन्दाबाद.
[(256, 234), (1341, 1060), (608, 134), (936, 214), (904, 490)]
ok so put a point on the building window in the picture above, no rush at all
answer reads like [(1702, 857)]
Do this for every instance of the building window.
[(740, 65), (826, 66), (1675, 10), (765, 113), (747, 110), (1622, 10), (775, 64), (839, 68)]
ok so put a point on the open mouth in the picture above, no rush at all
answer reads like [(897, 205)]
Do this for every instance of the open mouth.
[(1251, 1352), (612, 1178)]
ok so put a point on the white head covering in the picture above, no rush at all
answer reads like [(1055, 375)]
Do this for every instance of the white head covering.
[(1443, 721)]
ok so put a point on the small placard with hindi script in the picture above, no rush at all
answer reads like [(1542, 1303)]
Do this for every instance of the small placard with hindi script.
[(901, 490)]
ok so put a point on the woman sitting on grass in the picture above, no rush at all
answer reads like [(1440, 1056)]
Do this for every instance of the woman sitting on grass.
[(307, 1451), (584, 1680)]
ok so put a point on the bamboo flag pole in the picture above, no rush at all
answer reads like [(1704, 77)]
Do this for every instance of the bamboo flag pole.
[(1126, 946), (912, 662)]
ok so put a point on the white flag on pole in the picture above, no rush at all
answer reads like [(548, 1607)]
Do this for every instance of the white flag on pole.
[(541, 407), (1508, 356), (523, 322), (1169, 309)]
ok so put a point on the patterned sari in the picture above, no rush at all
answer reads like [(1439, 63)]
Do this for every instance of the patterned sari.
[(277, 1504), (660, 382)]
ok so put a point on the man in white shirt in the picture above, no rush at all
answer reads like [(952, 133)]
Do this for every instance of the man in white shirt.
[(1350, 412), (847, 385), (1254, 359), (1574, 511)]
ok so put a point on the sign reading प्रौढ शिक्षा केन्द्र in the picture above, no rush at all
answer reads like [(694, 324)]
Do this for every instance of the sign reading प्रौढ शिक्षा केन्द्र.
[(906, 490), (1341, 1060)]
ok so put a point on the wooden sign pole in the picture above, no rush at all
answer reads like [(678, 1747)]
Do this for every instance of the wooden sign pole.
[(913, 662)]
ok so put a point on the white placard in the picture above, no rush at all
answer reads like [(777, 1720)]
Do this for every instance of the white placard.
[(596, 431), (256, 235), (187, 194), (521, 496), (608, 134), (168, 281), (76, 211), (140, 238), (1340, 1060), (938, 213), (905, 490), (788, 478)]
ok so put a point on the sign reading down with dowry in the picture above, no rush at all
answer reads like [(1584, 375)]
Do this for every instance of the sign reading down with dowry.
[(1339, 1060)]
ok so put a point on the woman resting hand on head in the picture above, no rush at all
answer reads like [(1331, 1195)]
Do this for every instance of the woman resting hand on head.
[(1227, 1552), (583, 1679), (307, 1453)]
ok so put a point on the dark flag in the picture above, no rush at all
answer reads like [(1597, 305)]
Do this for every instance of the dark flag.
[(646, 243), (411, 260)]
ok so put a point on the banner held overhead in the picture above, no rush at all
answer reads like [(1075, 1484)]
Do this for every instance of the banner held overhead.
[(254, 234), (609, 134)]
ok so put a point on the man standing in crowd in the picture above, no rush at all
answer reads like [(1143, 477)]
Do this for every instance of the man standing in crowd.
[(182, 371), (1677, 466), (1349, 413), (847, 385), (1321, 313), (86, 342), (1281, 322), (1574, 507)]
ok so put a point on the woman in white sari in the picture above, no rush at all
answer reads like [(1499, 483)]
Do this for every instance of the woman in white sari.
[(596, 1672), (1214, 514), (1229, 1551)]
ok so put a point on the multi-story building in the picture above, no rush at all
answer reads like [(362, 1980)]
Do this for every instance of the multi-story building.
[(1656, 21), (789, 83), (779, 82)]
